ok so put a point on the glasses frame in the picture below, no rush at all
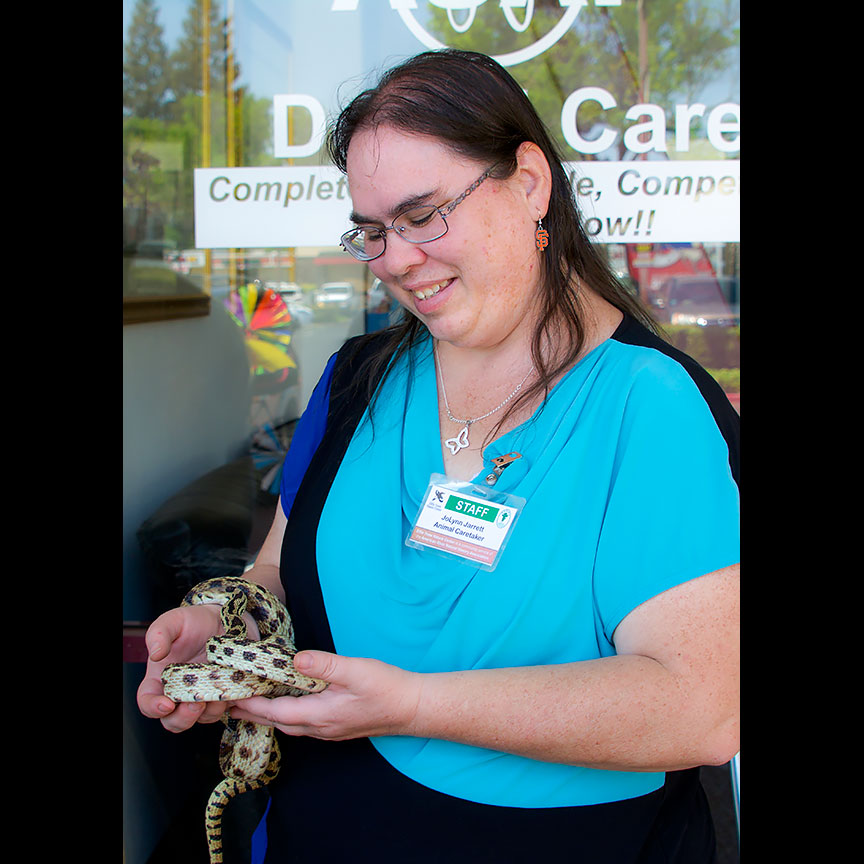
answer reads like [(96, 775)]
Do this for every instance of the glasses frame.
[(444, 211)]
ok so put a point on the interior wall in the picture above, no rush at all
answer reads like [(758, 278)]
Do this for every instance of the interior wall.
[(186, 405)]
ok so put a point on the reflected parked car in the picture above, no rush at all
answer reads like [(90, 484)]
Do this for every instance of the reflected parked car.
[(378, 299), (704, 301), (334, 294), (286, 290)]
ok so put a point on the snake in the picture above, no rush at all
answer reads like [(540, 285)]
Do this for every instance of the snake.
[(238, 667)]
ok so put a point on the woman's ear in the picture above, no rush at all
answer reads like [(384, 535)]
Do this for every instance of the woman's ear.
[(535, 177)]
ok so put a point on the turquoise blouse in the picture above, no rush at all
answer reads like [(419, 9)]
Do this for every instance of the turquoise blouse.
[(628, 493)]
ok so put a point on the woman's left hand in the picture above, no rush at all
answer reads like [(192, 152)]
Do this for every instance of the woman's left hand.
[(365, 698)]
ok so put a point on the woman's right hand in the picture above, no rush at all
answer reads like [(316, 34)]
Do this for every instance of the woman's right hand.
[(178, 636)]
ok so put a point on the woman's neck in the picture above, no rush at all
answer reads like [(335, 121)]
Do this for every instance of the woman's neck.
[(477, 384)]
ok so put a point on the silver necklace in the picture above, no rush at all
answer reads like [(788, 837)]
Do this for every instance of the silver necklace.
[(460, 441)]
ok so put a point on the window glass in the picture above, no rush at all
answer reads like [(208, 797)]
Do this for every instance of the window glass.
[(215, 85), (230, 208), (235, 289), (232, 213)]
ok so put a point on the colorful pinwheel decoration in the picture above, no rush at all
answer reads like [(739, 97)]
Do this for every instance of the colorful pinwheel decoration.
[(269, 446), (266, 323)]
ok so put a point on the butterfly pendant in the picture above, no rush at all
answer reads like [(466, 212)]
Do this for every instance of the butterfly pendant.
[(460, 442)]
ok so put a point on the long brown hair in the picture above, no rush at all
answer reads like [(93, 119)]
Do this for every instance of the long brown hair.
[(472, 105)]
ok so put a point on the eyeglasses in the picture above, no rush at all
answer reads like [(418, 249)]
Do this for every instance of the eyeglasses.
[(417, 225)]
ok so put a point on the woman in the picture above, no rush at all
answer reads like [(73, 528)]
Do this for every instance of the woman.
[(556, 702)]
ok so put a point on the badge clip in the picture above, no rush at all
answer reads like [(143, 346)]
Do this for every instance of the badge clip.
[(500, 462)]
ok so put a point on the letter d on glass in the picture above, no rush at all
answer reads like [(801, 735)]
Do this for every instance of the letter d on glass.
[(282, 148)]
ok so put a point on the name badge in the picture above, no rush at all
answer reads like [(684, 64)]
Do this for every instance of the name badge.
[(461, 520)]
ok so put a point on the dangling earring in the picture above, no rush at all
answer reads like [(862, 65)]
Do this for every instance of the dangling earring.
[(541, 235)]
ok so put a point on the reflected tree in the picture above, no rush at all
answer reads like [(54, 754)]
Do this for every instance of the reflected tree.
[(660, 51)]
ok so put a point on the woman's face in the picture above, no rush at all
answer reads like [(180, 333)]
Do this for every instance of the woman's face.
[(475, 286)]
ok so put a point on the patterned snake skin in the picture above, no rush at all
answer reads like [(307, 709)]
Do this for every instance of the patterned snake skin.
[(239, 667)]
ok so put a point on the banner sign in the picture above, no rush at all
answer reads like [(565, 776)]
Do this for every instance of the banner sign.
[(241, 208), (636, 201), (655, 201)]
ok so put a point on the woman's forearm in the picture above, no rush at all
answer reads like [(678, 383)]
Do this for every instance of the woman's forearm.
[(617, 713), (265, 571), (268, 576)]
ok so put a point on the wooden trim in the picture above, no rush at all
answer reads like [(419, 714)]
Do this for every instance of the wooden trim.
[(138, 310)]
